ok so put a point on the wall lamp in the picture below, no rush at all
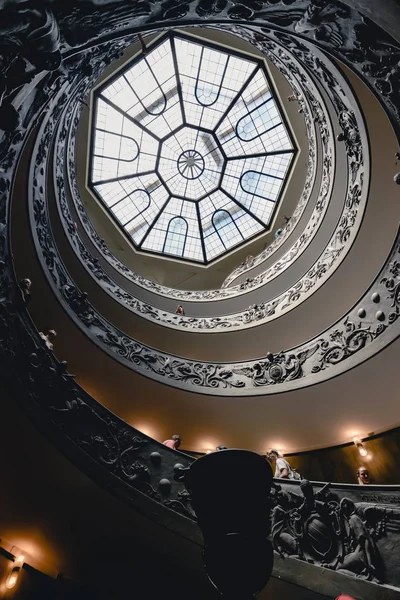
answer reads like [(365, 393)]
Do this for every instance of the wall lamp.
[(360, 446), (13, 578), (15, 571)]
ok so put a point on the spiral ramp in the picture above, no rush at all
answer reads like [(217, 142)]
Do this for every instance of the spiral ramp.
[(288, 340)]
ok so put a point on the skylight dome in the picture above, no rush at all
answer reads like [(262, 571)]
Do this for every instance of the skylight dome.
[(189, 150)]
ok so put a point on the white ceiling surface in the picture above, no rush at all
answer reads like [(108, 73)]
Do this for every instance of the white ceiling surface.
[(189, 276)]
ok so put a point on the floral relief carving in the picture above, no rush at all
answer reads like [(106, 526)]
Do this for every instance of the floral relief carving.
[(59, 275), (224, 293), (150, 357), (324, 527), (343, 340), (234, 320), (50, 394), (343, 236)]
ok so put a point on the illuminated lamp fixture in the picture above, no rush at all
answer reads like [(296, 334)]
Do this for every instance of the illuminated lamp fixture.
[(230, 492), (360, 447), (19, 561), (13, 578)]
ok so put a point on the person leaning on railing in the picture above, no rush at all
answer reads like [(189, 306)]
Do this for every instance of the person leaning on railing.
[(363, 476), (48, 337), (283, 470), (174, 442)]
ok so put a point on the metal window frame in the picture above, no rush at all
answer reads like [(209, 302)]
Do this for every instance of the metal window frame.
[(224, 210), (259, 63), (180, 218), (119, 135)]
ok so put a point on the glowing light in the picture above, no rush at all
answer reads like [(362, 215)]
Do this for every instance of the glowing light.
[(360, 447), (350, 434), (147, 429), (12, 578), (279, 447), (207, 446), (20, 560)]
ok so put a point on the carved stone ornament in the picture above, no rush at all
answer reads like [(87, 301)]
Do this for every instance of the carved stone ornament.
[(362, 528), (218, 377), (318, 359), (328, 529), (107, 449), (296, 77), (290, 369)]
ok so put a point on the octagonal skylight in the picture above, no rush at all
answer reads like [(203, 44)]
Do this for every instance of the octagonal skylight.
[(189, 150)]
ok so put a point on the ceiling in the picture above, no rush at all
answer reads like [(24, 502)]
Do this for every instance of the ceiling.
[(328, 413), (201, 171), (191, 276)]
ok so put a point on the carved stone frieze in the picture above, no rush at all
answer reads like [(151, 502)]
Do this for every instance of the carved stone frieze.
[(55, 402), (363, 527), (328, 529), (237, 320), (322, 357)]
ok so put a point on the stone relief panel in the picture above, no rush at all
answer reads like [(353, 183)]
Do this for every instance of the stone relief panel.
[(364, 529), (367, 334), (327, 528)]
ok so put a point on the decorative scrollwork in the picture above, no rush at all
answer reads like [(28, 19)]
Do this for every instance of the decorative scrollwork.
[(334, 252)]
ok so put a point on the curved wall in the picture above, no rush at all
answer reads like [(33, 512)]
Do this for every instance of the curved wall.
[(336, 408), (161, 409)]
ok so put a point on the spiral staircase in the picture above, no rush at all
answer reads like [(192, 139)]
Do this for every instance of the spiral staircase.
[(288, 340)]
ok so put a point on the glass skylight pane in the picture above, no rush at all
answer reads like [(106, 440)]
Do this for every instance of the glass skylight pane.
[(171, 237), (256, 182), (189, 162), (135, 202), (120, 148), (210, 81), (253, 125), (225, 224)]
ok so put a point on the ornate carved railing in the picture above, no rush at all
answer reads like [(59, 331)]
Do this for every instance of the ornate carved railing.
[(331, 258), (361, 523), (347, 342), (346, 529)]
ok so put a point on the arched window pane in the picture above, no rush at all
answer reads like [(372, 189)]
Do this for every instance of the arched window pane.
[(175, 238), (189, 151), (149, 93), (258, 121), (119, 147), (137, 202), (226, 228), (210, 76), (261, 185)]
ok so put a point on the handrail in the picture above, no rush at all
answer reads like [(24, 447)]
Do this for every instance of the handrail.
[(364, 535)]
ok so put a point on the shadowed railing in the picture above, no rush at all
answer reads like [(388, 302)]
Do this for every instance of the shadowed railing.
[(346, 530)]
